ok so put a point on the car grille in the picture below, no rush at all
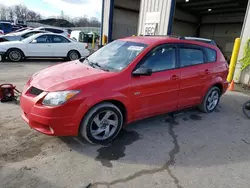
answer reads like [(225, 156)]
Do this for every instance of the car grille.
[(35, 91)]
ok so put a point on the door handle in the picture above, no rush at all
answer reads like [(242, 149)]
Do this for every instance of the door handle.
[(174, 77), (207, 71)]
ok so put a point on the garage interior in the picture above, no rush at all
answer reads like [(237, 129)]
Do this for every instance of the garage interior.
[(220, 20), (126, 17)]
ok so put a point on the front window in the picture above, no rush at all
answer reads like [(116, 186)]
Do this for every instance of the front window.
[(116, 55)]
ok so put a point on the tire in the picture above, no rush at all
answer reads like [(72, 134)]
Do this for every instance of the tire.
[(15, 55), (246, 109), (212, 96), (73, 55), (94, 133)]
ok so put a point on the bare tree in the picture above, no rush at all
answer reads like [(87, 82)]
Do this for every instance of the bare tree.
[(10, 12), (3, 12), (21, 12), (94, 22)]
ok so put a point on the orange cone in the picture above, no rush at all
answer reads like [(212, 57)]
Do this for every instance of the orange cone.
[(231, 86)]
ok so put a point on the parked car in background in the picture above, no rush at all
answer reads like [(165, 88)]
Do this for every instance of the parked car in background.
[(7, 27), (124, 81), (54, 30), (22, 29), (17, 36), (1, 31), (43, 45)]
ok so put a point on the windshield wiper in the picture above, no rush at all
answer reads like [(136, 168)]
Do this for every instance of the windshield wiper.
[(83, 58), (98, 65), (93, 64)]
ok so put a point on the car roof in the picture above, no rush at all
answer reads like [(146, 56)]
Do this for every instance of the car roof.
[(51, 28), (149, 40)]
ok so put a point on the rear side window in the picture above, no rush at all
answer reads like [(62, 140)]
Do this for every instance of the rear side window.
[(191, 56), (211, 55), (60, 39), (54, 30), (30, 34)]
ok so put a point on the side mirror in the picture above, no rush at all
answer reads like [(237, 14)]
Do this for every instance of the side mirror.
[(142, 71), (34, 41)]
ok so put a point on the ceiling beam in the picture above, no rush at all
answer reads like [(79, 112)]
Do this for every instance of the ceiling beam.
[(228, 5), (224, 10), (207, 2)]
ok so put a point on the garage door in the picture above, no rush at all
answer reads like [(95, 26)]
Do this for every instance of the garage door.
[(125, 23)]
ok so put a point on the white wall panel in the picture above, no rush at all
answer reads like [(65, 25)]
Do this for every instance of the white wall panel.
[(245, 36), (106, 17), (162, 6)]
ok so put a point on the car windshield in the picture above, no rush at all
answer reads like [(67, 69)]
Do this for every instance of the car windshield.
[(116, 55)]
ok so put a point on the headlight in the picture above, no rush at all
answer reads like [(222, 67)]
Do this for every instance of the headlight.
[(58, 98)]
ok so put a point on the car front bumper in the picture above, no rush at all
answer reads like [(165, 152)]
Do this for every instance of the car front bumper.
[(62, 120)]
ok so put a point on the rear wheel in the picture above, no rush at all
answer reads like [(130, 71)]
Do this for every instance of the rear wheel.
[(15, 55), (246, 109), (73, 55), (102, 123), (211, 100)]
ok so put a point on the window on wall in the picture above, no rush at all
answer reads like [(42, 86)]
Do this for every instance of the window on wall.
[(191, 56), (161, 58)]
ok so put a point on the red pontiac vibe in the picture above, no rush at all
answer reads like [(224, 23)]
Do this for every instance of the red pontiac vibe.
[(126, 80)]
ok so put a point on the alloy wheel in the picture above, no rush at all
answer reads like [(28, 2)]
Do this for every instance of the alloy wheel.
[(212, 100), (15, 56), (104, 125)]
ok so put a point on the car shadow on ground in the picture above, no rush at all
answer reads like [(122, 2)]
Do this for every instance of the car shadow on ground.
[(184, 138)]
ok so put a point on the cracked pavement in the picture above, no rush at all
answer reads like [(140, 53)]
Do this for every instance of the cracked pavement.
[(187, 149)]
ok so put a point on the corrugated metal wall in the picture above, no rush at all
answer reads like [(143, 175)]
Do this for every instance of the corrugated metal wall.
[(162, 6)]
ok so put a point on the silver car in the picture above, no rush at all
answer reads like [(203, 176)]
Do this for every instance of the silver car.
[(20, 35)]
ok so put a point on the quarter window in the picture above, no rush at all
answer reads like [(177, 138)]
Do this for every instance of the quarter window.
[(191, 56), (161, 58), (211, 54)]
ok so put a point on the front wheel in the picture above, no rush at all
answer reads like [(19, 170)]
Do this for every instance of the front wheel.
[(246, 109), (211, 100), (102, 123)]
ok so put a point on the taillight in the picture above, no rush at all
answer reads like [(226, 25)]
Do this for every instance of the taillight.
[(69, 35)]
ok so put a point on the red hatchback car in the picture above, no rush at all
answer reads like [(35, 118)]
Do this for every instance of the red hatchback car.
[(126, 80)]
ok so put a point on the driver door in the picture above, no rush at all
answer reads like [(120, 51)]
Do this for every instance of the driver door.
[(40, 47), (159, 92)]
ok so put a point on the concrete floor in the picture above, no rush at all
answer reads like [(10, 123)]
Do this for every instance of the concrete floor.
[(186, 150)]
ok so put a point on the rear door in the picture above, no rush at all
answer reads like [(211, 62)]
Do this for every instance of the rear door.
[(195, 72), (60, 45)]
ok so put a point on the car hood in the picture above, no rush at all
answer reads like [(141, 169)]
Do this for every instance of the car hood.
[(66, 76)]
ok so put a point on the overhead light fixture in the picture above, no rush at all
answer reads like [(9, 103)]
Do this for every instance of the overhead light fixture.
[(209, 10), (187, 1)]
